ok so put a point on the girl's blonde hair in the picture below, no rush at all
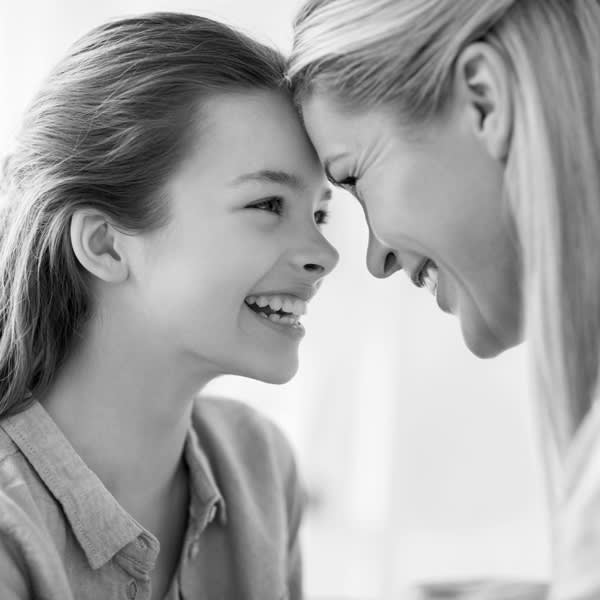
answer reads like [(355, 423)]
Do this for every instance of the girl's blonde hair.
[(110, 124), (365, 53)]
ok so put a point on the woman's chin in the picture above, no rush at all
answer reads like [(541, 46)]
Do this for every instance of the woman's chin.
[(484, 343)]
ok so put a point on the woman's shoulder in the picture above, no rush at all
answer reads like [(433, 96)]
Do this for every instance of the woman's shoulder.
[(577, 527)]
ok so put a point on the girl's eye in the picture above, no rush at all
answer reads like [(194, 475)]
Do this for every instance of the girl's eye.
[(322, 217), (274, 205)]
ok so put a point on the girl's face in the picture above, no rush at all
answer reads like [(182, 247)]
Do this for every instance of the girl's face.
[(224, 283), (435, 209)]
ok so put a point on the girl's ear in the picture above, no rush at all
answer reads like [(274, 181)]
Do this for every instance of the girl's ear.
[(98, 246), (483, 86)]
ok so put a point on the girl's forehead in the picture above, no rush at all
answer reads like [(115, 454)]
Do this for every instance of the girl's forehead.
[(253, 137), (250, 129)]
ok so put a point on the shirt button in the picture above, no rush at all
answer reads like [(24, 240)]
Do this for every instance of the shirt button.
[(132, 590), (194, 549)]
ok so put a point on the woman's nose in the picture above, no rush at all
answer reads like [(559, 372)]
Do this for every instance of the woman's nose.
[(382, 261), (319, 258)]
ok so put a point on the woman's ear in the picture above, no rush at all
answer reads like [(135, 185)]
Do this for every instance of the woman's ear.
[(98, 246), (482, 83)]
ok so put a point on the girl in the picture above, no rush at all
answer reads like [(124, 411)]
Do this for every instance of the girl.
[(160, 226), (469, 132)]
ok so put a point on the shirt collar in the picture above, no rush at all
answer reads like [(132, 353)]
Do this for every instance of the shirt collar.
[(100, 524), (206, 499)]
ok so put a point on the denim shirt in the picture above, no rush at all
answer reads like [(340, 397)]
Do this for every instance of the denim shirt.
[(63, 536)]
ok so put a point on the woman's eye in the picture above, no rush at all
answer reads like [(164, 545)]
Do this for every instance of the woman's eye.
[(274, 205), (348, 182), (322, 217)]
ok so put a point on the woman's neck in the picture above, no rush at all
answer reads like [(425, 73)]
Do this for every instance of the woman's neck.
[(125, 408)]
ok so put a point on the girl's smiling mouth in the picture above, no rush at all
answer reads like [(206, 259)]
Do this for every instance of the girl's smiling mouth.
[(282, 310)]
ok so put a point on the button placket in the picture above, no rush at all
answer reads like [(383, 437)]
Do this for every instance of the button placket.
[(212, 513), (194, 549)]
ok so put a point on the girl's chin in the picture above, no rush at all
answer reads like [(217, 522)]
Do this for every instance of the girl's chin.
[(274, 373), (277, 378)]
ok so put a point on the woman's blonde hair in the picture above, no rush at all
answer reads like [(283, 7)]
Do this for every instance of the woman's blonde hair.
[(108, 127), (365, 53)]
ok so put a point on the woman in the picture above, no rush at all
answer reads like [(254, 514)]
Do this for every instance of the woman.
[(160, 226), (468, 131)]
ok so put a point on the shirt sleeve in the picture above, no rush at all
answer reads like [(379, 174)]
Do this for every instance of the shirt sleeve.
[(296, 509), (295, 499), (13, 583), (577, 534), (30, 568)]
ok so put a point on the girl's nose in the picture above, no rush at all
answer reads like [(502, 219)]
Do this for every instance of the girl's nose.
[(382, 261), (319, 259)]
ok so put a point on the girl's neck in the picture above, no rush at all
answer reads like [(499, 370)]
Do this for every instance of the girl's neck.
[(126, 409)]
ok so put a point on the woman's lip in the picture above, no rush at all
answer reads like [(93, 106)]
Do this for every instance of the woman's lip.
[(416, 275)]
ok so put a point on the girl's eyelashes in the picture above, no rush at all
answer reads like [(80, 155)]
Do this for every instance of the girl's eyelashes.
[(273, 205)]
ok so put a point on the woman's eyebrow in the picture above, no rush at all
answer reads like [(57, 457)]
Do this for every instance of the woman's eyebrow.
[(271, 176)]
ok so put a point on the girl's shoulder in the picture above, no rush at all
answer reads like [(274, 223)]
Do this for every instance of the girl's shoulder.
[(26, 542), (246, 447), (237, 427), (22, 487)]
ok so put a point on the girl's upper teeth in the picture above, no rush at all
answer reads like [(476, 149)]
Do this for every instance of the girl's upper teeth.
[(288, 304)]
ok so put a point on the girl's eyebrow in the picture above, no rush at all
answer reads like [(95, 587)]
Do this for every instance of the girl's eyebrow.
[(280, 177), (271, 176)]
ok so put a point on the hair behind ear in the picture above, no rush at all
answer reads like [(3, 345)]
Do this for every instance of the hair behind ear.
[(43, 300)]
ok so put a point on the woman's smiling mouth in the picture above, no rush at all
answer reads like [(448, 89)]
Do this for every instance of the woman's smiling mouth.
[(427, 276)]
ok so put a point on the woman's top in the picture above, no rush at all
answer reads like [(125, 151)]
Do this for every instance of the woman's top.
[(577, 537), (63, 536)]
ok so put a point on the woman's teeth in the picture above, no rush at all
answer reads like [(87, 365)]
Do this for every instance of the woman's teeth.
[(279, 309), (430, 277)]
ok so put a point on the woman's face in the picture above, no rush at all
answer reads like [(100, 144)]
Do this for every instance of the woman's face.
[(434, 204), (224, 284)]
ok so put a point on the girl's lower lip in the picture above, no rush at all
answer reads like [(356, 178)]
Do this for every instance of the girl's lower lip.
[(293, 332)]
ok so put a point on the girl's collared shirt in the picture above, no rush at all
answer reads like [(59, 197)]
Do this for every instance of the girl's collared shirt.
[(63, 536)]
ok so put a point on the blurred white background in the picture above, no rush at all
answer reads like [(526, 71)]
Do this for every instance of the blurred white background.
[(421, 459)]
